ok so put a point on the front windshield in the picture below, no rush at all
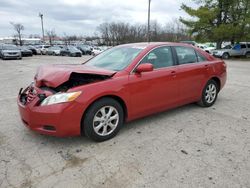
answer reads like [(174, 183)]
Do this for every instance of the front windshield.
[(72, 48), (55, 48), (115, 59), (10, 47)]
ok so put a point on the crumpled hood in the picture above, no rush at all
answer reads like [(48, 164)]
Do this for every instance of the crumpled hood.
[(55, 75)]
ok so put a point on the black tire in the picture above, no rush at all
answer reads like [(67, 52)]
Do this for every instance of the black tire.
[(225, 56), (248, 55), (88, 119), (204, 101)]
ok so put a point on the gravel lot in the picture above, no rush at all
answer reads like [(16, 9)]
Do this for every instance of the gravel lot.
[(186, 147)]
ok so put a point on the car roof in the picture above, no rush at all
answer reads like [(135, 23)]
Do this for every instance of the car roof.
[(153, 44)]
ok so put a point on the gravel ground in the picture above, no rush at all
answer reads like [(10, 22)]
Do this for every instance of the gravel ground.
[(185, 147)]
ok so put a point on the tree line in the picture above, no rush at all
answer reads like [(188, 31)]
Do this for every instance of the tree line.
[(116, 33), (211, 21)]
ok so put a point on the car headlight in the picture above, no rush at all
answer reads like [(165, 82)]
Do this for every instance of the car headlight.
[(60, 98)]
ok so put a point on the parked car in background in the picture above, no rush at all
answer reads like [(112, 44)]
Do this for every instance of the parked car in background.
[(233, 51), (208, 49), (119, 85), (25, 51), (96, 51), (43, 49), (71, 51), (54, 50), (10, 52), (189, 42), (35, 51), (85, 49)]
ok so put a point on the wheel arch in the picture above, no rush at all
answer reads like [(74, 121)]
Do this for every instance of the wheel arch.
[(217, 80), (115, 97)]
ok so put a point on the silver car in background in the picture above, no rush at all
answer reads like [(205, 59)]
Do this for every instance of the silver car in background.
[(10, 52), (233, 51)]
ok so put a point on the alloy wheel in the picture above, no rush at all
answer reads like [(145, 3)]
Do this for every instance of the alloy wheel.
[(210, 93), (105, 120)]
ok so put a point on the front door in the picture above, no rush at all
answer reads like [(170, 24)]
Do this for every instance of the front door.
[(156, 90)]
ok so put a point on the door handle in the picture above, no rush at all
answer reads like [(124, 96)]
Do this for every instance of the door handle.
[(206, 66), (173, 73)]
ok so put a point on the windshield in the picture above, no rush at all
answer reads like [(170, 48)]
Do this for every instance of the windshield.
[(115, 59), (72, 48), (55, 48), (9, 47)]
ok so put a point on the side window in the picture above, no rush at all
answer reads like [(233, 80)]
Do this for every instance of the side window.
[(248, 45), (200, 57), (186, 55), (243, 46), (159, 57)]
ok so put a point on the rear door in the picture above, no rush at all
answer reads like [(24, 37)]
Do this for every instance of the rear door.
[(193, 71), (156, 90)]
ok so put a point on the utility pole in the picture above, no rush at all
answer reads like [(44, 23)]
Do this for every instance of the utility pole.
[(149, 3), (41, 16)]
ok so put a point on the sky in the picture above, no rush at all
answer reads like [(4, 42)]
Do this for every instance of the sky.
[(82, 17)]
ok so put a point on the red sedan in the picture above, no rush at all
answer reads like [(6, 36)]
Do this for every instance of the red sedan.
[(119, 85)]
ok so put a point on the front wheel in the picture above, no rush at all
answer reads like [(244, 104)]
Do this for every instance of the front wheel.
[(225, 56), (248, 55), (103, 119), (209, 94)]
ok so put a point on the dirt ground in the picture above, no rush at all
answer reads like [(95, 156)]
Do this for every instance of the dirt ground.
[(185, 147)]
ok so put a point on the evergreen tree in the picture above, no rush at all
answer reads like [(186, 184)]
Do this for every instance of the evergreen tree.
[(219, 20)]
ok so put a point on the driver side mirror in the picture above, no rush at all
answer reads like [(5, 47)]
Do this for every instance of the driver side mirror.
[(145, 67)]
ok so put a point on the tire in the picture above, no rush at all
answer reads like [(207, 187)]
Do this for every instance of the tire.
[(98, 115), (248, 55), (225, 56), (209, 94)]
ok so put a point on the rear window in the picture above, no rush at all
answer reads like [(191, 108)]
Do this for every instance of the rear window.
[(186, 55), (200, 57)]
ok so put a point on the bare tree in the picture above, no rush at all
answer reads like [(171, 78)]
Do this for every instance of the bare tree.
[(115, 33), (51, 35), (18, 28)]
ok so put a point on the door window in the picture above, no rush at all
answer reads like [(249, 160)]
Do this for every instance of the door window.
[(243, 46), (200, 57), (160, 57), (186, 55)]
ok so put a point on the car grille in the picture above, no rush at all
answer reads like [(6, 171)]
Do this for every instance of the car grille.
[(28, 95), (12, 53)]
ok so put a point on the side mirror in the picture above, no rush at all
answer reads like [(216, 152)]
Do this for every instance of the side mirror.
[(145, 67)]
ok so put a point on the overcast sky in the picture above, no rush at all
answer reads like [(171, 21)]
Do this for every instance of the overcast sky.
[(81, 17)]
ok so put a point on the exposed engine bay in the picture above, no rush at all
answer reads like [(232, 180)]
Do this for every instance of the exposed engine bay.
[(78, 79)]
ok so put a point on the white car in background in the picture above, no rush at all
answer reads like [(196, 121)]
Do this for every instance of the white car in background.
[(206, 48), (44, 49), (96, 51)]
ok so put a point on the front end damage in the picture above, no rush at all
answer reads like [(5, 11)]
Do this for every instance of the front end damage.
[(60, 119)]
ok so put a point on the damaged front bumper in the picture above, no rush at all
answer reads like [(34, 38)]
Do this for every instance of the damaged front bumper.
[(57, 120)]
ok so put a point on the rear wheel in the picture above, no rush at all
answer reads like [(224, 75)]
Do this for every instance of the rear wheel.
[(209, 94), (103, 119)]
